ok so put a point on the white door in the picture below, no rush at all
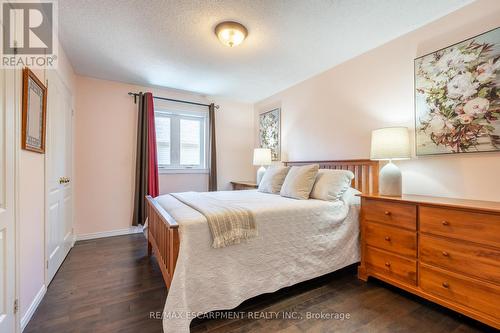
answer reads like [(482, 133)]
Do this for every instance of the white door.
[(7, 209), (59, 151)]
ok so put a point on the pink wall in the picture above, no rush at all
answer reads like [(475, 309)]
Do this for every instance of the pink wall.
[(331, 115), (235, 142), (182, 182), (105, 143), (31, 220), (31, 227), (104, 155)]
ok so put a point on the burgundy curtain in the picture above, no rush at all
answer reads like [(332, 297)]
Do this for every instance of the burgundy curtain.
[(146, 167), (212, 177)]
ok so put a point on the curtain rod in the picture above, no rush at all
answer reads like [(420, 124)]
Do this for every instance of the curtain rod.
[(171, 100)]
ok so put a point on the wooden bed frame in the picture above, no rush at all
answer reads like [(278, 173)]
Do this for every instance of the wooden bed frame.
[(163, 230)]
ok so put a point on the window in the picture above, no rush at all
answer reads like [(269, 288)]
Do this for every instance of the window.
[(163, 139), (181, 139)]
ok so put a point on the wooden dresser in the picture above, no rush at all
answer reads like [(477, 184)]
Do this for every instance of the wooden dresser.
[(445, 250)]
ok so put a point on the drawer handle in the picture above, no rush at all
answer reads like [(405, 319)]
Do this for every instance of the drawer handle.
[(388, 264), (446, 285), (387, 213), (446, 254), (387, 238), (445, 222)]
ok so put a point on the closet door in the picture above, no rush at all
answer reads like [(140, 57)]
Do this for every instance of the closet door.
[(59, 203), (8, 307)]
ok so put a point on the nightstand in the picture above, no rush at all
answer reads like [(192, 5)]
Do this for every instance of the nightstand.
[(243, 185)]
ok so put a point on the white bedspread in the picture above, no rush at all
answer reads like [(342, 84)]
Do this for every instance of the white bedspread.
[(297, 240)]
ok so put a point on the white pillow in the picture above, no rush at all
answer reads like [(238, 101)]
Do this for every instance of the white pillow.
[(273, 179), (330, 184), (299, 181), (350, 197)]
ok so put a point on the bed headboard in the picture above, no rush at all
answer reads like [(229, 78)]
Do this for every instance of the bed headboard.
[(365, 172)]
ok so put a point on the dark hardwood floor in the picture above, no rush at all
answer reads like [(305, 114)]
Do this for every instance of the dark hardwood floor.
[(110, 285)]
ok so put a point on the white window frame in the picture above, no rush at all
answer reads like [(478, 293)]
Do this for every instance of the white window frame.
[(175, 119)]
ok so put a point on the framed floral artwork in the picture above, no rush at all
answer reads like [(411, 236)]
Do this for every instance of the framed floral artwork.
[(457, 97), (270, 132)]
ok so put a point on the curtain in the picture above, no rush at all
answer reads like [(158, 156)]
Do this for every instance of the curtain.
[(153, 183), (212, 177), (146, 167)]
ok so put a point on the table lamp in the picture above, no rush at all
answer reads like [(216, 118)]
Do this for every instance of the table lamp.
[(261, 156), (390, 143)]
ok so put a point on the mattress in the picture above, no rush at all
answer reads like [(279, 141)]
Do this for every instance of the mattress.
[(297, 241)]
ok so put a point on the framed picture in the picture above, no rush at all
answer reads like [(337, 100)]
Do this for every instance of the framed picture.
[(457, 97), (34, 111), (270, 132)]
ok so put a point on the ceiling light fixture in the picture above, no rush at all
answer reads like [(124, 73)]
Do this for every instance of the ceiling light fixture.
[(231, 33)]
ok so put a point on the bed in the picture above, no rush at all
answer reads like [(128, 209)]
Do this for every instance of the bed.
[(297, 241)]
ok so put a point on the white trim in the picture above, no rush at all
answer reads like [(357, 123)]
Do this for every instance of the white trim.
[(17, 161), (185, 170), (32, 308), (111, 233)]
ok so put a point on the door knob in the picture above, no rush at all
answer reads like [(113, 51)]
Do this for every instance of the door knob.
[(64, 180)]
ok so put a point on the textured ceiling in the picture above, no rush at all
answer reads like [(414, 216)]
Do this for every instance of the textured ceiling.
[(172, 44)]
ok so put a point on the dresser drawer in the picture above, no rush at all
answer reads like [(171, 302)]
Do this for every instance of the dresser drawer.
[(397, 214), (470, 259), (474, 294), (453, 223), (403, 242), (391, 266)]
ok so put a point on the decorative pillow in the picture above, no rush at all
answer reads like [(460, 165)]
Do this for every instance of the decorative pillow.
[(299, 182), (330, 185), (273, 179)]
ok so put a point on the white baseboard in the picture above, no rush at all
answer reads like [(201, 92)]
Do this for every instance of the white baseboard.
[(111, 233), (32, 308)]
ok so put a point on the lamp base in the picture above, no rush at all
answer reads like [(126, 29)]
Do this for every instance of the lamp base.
[(260, 174), (390, 183)]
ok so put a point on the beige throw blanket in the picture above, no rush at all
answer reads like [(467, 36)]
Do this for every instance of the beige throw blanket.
[(228, 223)]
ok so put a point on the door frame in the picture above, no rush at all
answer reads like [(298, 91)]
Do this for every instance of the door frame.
[(17, 78), (49, 74)]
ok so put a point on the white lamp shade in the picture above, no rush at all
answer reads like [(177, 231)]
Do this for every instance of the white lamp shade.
[(261, 156), (390, 143)]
